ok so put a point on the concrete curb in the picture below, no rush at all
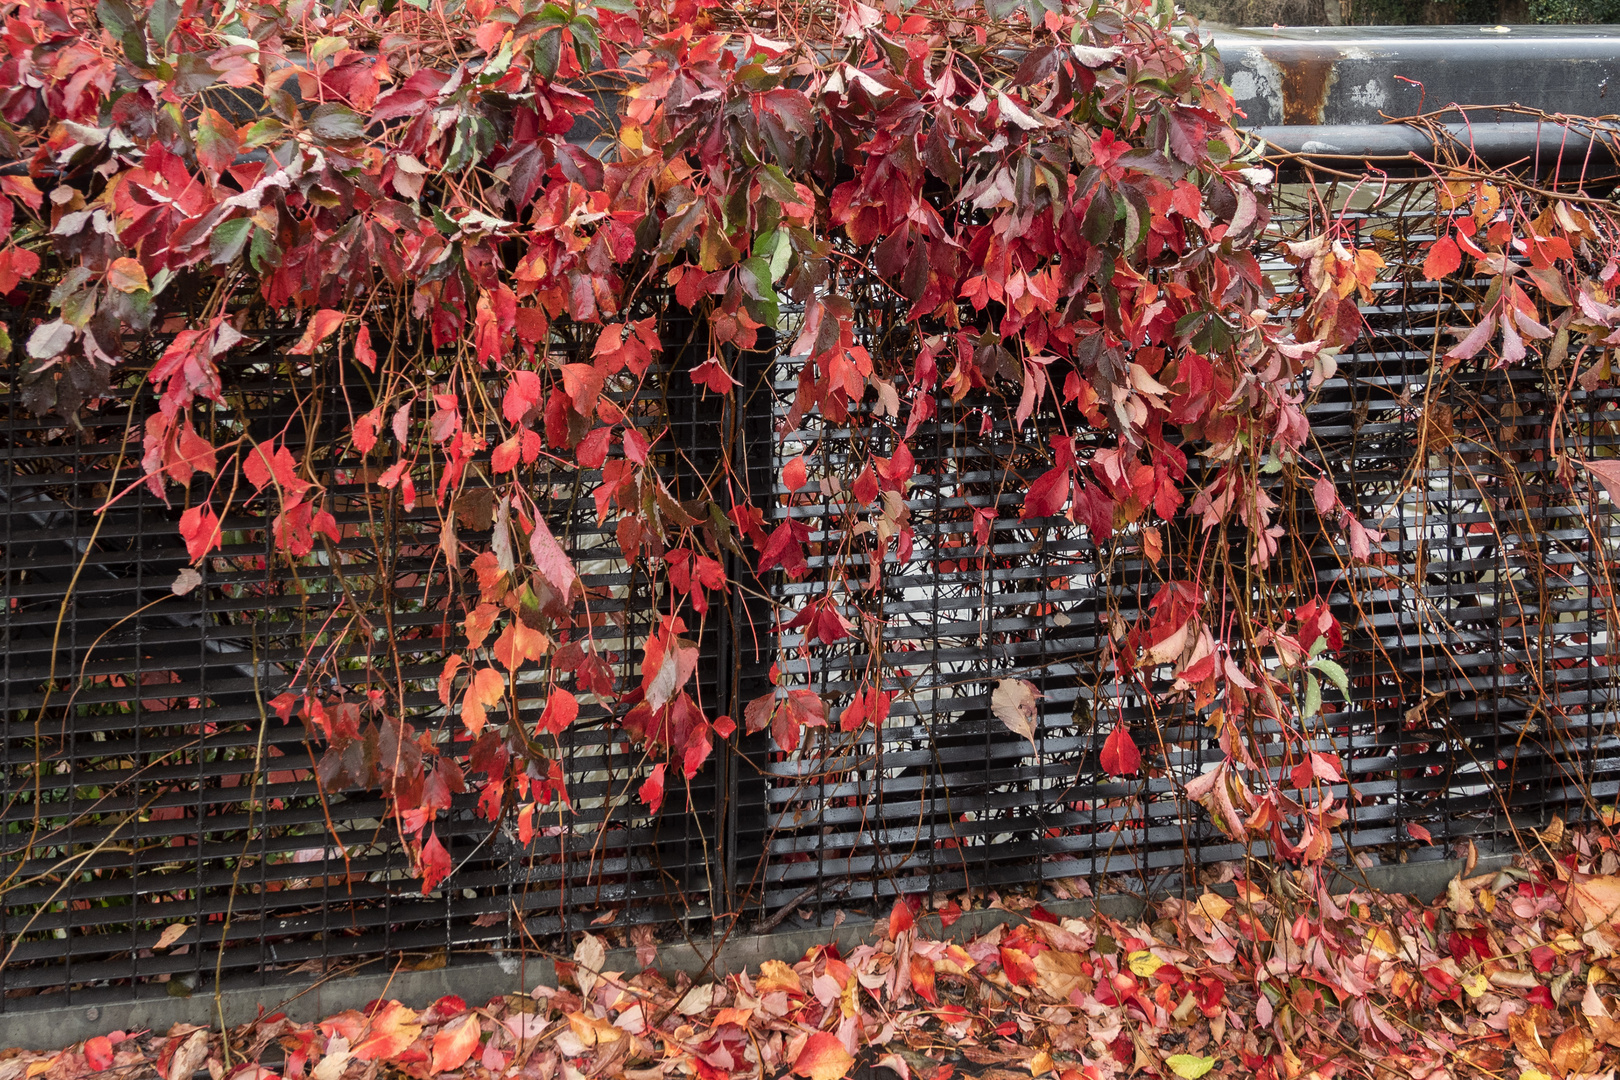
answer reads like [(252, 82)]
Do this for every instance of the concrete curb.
[(480, 980)]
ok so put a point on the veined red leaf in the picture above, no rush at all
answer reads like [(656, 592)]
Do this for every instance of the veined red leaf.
[(1443, 259), (652, 788), (1120, 757), (199, 526)]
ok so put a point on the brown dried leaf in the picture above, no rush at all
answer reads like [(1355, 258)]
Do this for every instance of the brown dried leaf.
[(1014, 705)]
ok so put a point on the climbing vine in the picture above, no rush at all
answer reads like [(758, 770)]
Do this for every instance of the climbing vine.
[(506, 231)]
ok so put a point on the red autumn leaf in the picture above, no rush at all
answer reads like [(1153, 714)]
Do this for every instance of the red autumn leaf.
[(1474, 340), (1120, 757), (395, 1027), (523, 395), (16, 265), (593, 448), (1443, 259), (583, 384), (1607, 470), (519, 642), (324, 323), (713, 375), (453, 1045), (435, 868), (365, 430), (562, 709), (505, 457), (98, 1053), (200, 529), (652, 789), (195, 451), (949, 912), (1048, 494), (823, 1058), (795, 474), (261, 466), (1418, 832), (635, 445), (362, 348), (488, 688), (900, 918)]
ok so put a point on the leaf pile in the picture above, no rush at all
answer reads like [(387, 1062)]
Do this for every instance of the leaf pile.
[(1511, 973)]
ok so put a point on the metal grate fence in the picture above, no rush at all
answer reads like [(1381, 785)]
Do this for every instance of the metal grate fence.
[(147, 784)]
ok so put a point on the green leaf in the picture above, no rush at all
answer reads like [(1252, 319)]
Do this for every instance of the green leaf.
[(228, 240), (547, 54), (336, 122), (1189, 1066), (1313, 698), (327, 46), (165, 16), (1335, 674), (134, 43), (262, 251), (117, 16), (758, 296), (265, 131)]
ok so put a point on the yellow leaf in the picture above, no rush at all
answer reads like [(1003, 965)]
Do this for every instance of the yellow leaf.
[(1189, 1066), (775, 975), (591, 1031), (1534, 1074), (1040, 1064), (1214, 907), (1476, 984), (630, 134), (1144, 963)]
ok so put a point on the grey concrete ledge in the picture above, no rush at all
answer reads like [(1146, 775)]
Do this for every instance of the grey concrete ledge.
[(479, 980)]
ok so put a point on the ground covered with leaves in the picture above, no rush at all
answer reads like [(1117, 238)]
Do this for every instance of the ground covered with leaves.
[(1508, 973)]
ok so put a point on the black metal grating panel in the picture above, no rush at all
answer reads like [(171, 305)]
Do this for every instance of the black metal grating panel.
[(148, 781), (1477, 641)]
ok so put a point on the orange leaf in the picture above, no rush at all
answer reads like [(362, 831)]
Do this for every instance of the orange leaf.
[(392, 1030), (518, 643), (321, 327), (488, 688), (452, 1046), (823, 1058), (583, 384), (127, 276), (922, 979)]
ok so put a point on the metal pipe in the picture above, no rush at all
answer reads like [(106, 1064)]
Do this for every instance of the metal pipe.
[(1402, 147)]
